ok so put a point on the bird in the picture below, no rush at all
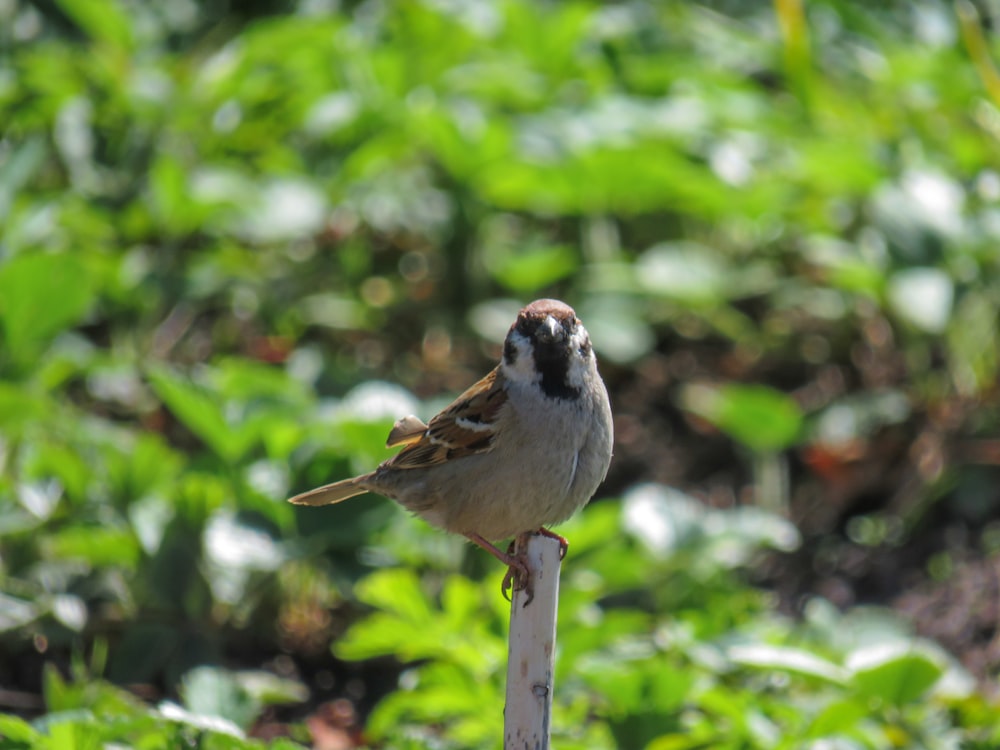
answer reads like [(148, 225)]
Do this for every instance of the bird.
[(524, 448)]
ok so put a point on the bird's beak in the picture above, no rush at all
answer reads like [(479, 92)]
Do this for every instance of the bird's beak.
[(549, 330)]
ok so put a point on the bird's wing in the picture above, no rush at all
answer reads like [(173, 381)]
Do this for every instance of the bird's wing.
[(464, 428), (406, 431)]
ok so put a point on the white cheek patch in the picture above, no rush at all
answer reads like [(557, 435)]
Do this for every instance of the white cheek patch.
[(580, 365), (523, 368)]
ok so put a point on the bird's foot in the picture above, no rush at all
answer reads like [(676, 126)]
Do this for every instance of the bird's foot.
[(563, 543), (518, 576)]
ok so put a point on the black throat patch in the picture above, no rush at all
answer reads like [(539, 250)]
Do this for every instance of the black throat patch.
[(553, 365)]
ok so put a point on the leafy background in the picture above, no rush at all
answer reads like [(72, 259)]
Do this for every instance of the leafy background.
[(239, 239)]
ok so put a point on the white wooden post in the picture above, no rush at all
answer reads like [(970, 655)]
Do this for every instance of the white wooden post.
[(531, 651)]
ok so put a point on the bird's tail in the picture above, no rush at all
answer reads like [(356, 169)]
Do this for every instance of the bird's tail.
[(332, 493)]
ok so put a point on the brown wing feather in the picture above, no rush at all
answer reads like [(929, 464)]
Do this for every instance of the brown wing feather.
[(406, 431), (464, 428)]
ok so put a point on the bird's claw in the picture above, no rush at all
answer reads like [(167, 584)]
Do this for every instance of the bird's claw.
[(518, 575), (517, 578)]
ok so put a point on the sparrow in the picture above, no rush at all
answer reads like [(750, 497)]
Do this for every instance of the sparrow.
[(524, 448)]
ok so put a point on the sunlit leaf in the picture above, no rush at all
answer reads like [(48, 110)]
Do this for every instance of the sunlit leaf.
[(40, 295), (758, 528), (15, 729), (661, 517), (759, 417), (898, 673), (217, 693), (839, 717), (787, 659), (20, 407), (149, 517), (16, 612), (200, 411), (267, 204), (857, 416), (398, 591), (923, 297), (284, 210), (70, 610), (687, 272), (235, 548), (15, 171), (94, 545), (206, 721), (532, 268), (170, 196), (103, 20), (268, 689), (616, 327)]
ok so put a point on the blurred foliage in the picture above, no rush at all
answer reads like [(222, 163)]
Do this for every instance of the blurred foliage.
[(661, 647), (225, 227)]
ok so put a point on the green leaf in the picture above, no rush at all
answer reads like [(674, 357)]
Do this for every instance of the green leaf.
[(665, 519), (923, 297), (897, 673), (65, 464), (683, 271), (143, 652), (376, 635), (759, 417), (145, 466), (634, 684), (70, 611), (531, 269), (200, 411), (40, 295), (269, 689), (617, 327), (215, 725), (14, 729), (210, 691), (757, 528), (786, 659), (233, 549), (170, 196), (406, 610), (73, 730), (20, 408), (856, 275), (839, 717), (16, 612), (102, 20), (59, 695), (96, 545), (17, 169), (398, 591), (15, 520)]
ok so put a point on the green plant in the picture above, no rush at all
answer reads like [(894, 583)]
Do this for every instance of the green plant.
[(218, 220)]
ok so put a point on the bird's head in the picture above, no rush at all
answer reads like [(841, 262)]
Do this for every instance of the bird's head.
[(549, 345)]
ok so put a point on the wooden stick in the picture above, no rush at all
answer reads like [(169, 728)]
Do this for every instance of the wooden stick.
[(531, 651)]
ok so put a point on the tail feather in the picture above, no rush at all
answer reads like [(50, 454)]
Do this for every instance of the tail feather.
[(332, 493)]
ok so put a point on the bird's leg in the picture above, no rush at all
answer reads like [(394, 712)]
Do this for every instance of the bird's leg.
[(513, 579), (518, 576), (563, 543)]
